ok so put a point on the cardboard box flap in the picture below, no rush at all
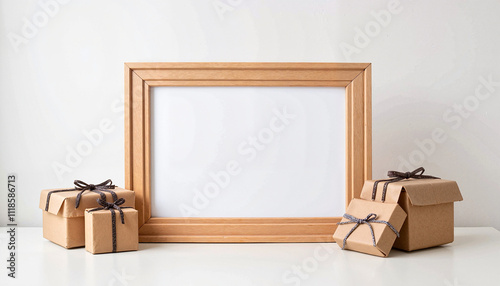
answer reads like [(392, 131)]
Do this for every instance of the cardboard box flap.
[(56, 201), (63, 203), (432, 192), (422, 192)]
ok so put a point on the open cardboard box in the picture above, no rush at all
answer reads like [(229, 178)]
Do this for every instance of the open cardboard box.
[(429, 206)]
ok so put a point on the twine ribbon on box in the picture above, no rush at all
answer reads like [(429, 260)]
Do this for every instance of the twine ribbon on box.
[(112, 207), (81, 186), (371, 218), (396, 176)]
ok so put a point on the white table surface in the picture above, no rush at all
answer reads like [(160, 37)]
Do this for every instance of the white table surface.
[(473, 259)]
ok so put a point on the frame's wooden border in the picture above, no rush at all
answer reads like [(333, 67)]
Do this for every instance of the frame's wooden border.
[(139, 77)]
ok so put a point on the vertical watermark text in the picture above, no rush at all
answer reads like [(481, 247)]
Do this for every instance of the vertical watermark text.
[(11, 225)]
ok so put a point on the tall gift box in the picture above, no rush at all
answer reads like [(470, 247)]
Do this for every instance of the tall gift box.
[(111, 228)]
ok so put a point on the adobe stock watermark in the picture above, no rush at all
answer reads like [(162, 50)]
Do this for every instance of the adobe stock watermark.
[(222, 7), (120, 278), (12, 203), (373, 28), (249, 149), (93, 138), (31, 26), (455, 282), (454, 116), (302, 271)]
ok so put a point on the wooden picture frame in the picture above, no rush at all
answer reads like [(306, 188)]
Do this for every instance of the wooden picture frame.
[(141, 77)]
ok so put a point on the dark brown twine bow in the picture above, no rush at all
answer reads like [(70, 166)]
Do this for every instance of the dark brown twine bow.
[(371, 218), (82, 187), (112, 207), (399, 176)]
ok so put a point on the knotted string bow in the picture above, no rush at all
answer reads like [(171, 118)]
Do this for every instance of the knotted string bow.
[(399, 176), (112, 207), (371, 218), (81, 186)]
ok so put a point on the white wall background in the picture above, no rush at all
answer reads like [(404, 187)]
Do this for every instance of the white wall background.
[(62, 76)]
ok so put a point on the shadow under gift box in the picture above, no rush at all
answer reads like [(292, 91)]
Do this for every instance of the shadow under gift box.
[(64, 224), (99, 227), (429, 206)]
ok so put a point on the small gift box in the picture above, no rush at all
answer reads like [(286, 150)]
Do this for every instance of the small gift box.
[(111, 228), (369, 227), (63, 210), (428, 202)]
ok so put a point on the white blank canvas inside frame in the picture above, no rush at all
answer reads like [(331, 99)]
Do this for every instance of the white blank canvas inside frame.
[(247, 151)]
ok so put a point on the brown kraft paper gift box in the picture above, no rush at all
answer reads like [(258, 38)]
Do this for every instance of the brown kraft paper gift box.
[(64, 224), (361, 238), (429, 206), (99, 231)]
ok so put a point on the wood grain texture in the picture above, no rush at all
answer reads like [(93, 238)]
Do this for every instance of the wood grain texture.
[(349, 147), (237, 238), (336, 83), (357, 136), (128, 127), (248, 66), (238, 229), (254, 74), (138, 148), (367, 76), (140, 77), (147, 152), (232, 220)]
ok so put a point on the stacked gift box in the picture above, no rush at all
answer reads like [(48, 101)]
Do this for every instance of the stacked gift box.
[(100, 217), (408, 211)]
